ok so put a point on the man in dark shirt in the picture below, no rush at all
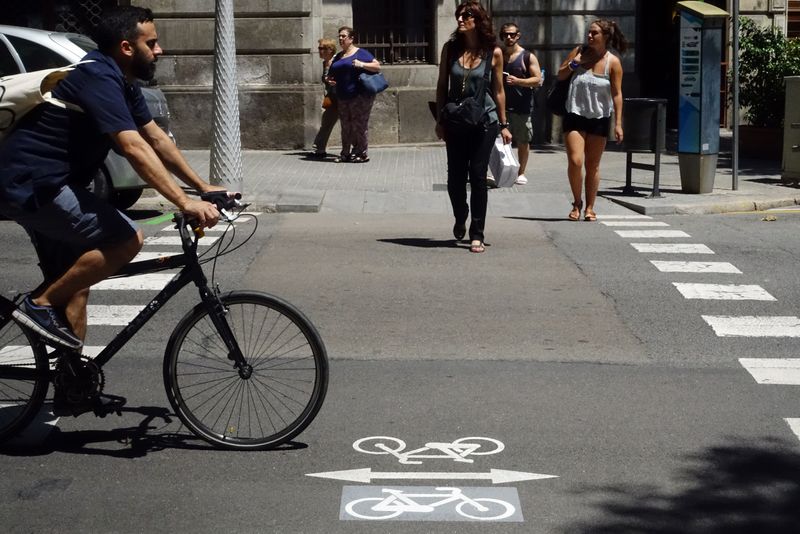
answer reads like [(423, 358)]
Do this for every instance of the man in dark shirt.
[(48, 159), (521, 74)]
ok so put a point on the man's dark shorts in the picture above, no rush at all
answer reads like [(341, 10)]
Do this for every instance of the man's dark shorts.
[(75, 222)]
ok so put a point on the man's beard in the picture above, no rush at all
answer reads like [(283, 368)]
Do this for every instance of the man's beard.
[(143, 68)]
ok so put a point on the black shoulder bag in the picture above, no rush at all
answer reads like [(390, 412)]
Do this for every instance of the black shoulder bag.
[(469, 112)]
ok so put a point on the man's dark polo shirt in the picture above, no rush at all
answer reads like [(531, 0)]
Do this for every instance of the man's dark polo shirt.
[(53, 146)]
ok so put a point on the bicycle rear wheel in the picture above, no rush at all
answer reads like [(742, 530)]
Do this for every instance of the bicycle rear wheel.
[(23, 377), (236, 410)]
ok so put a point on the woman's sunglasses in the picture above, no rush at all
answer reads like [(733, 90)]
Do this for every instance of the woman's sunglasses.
[(464, 15)]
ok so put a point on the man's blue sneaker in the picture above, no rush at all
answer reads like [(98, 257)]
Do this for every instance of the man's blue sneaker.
[(47, 322)]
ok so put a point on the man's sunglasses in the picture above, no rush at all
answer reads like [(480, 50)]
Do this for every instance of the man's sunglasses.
[(465, 15), (505, 35)]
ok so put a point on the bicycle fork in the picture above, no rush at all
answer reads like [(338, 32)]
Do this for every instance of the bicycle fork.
[(218, 312)]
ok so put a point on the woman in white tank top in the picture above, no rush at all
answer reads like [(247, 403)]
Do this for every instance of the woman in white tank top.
[(595, 90)]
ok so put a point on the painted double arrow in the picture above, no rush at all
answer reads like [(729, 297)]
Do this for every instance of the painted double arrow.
[(365, 475)]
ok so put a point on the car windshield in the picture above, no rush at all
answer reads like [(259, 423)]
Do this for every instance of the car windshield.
[(86, 44)]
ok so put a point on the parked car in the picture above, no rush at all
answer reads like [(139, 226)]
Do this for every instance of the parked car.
[(28, 49)]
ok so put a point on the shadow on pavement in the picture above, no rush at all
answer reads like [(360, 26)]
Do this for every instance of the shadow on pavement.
[(423, 242), (156, 432), (731, 488)]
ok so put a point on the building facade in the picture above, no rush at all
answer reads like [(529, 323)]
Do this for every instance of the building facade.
[(279, 72)]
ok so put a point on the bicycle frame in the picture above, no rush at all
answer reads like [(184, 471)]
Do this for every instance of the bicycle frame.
[(191, 271), (397, 500)]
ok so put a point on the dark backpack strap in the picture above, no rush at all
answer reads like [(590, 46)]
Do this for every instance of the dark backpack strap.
[(487, 68)]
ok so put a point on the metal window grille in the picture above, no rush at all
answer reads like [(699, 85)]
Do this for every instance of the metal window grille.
[(79, 15), (395, 31), (59, 15)]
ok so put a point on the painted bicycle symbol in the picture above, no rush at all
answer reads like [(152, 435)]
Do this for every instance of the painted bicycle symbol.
[(457, 450), (396, 502)]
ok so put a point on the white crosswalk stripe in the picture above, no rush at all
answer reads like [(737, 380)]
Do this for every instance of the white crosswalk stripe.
[(695, 267), (754, 326), (173, 241), (634, 223), (144, 256), (779, 371), (650, 234), (794, 425), (722, 292), (603, 217), (672, 248), (142, 282), (100, 314)]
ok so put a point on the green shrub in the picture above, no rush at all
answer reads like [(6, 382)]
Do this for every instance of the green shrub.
[(765, 58)]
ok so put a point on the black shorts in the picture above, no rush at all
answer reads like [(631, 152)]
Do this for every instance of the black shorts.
[(573, 122)]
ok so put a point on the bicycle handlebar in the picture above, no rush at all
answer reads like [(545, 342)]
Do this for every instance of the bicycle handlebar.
[(222, 199)]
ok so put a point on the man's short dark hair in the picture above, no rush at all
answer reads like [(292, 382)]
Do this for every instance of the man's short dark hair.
[(119, 24)]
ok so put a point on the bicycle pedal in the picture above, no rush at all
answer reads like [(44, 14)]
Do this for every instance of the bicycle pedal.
[(105, 404)]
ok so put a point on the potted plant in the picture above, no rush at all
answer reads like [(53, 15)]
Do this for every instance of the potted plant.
[(765, 58)]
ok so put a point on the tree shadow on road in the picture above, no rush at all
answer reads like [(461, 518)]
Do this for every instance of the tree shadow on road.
[(159, 430), (732, 488)]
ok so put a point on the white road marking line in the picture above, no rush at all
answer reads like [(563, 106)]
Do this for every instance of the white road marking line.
[(604, 217), (634, 223), (15, 352), (779, 371), (754, 326), (216, 230), (650, 234), (142, 282), (722, 292), (695, 267), (112, 315), (794, 424), (672, 248), (144, 256), (176, 241)]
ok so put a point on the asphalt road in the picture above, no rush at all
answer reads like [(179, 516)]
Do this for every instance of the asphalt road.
[(562, 342)]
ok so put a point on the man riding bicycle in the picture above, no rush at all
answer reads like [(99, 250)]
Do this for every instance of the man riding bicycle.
[(53, 153)]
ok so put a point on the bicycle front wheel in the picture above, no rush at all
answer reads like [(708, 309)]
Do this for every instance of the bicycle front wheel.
[(260, 409), (23, 377)]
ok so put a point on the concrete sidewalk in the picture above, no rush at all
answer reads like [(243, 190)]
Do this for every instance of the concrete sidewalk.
[(412, 179)]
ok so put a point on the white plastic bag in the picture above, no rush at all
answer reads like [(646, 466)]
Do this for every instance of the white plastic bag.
[(503, 164)]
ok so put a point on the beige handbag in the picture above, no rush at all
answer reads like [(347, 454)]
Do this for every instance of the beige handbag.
[(20, 93)]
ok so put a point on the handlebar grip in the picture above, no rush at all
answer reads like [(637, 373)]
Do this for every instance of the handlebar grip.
[(222, 199)]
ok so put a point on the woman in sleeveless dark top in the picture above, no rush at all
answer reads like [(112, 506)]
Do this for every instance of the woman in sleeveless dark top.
[(461, 73)]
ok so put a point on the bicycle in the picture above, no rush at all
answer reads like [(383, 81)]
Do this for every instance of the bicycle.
[(397, 502), (457, 451), (243, 370)]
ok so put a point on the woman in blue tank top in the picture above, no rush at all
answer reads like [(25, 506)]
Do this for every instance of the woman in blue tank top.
[(461, 74), (595, 89)]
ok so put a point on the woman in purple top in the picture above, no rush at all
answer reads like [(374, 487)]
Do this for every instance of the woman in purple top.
[(355, 104)]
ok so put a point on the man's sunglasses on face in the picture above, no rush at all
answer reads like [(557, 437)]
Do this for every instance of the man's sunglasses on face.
[(508, 35)]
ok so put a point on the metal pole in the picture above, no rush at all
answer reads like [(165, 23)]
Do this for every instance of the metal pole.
[(226, 148), (735, 139)]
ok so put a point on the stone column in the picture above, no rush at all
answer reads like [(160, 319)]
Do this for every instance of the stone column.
[(226, 148)]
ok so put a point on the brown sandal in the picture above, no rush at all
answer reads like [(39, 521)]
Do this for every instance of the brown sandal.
[(589, 215), (575, 214)]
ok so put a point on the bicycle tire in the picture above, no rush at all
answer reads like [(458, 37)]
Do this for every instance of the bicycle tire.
[(21, 399), (507, 509), (350, 508), (273, 405)]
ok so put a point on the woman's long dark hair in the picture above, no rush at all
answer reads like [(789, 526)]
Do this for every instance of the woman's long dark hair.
[(614, 36), (483, 27)]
